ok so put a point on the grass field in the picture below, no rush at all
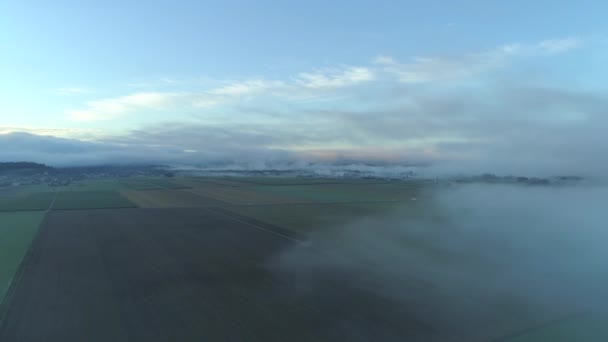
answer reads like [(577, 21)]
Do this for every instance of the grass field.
[(244, 195), (342, 192), (196, 182), (168, 184), (91, 200), (167, 198), (17, 229), (26, 201), (302, 180), (312, 217)]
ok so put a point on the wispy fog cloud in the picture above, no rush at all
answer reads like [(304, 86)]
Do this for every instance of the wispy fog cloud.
[(429, 69), (317, 84)]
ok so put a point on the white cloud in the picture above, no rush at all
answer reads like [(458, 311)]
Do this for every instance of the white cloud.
[(322, 85), (75, 133), (560, 45), (248, 87), (111, 108), (429, 69), (335, 78)]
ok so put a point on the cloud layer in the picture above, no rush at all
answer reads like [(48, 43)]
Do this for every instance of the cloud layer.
[(497, 110)]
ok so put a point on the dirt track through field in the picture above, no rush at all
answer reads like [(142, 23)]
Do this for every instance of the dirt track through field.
[(184, 274)]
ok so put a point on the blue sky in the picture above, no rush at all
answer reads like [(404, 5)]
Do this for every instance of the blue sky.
[(390, 81)]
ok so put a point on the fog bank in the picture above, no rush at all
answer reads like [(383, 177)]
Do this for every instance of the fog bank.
[(479, 260)]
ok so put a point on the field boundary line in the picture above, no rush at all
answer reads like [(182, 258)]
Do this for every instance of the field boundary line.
[(267, 227), (205, 197), (53, 201)]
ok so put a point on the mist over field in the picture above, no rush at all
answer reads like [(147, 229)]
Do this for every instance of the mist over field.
[(504, 253)]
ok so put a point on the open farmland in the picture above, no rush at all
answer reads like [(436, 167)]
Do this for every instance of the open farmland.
[(142, 275), (309, 217), (225, 259)]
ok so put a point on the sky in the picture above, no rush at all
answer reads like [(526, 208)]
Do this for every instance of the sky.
[(496, 86)]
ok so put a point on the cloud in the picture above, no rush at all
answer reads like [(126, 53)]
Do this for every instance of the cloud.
[(306, 86), (431, 69), (335, 78), (107, 109), (248, 87), (560, 45), (78, 133), (321, 85), (456, 113)]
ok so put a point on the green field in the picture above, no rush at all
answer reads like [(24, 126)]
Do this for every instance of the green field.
[(91, 200), (272, 180), (17, 229), (26, 201), (310, 217), (197, 182), (244, 195), (167, 184), (342, 192), (167, 198)]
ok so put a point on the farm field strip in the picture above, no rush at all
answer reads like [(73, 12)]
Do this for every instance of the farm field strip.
[(285, 181), (265, 226), (306, 218), (90, 200), (169, 198), (17, 231), (241, 195), (204, 182), (34, 201), (340, 193), (168, 184)]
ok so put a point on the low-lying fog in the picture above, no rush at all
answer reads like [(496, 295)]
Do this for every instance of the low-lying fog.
[(482, 260)]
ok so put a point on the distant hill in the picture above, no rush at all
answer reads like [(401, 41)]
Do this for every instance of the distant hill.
[(23, 166)]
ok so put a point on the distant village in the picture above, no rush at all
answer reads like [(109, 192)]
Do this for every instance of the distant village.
[(26, 173)]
